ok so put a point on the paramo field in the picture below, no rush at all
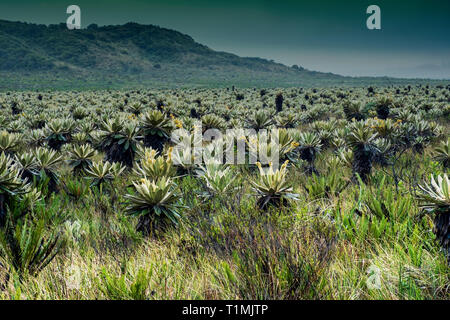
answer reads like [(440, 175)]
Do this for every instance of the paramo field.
[(97, 201)]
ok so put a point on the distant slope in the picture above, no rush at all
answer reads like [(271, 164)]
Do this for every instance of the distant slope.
[(128, 48), (46, 56)]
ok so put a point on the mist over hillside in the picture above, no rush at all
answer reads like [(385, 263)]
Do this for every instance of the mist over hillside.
[(37, 56)]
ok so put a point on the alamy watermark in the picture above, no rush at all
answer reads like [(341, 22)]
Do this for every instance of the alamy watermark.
[(374, 278), (373, 21), (235, 146), (74, 20)]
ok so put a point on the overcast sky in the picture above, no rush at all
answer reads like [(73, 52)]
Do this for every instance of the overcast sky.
[(322, 35)]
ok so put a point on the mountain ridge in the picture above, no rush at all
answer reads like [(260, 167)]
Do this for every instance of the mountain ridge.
[(130, 54), (49, 46)]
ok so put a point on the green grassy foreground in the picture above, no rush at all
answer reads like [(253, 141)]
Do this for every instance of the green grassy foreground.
[(71, 231)]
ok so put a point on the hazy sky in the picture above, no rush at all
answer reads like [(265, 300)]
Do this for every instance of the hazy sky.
[(322, 35)]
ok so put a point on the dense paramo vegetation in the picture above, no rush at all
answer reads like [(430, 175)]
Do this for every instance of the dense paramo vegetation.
[(93, 204)]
